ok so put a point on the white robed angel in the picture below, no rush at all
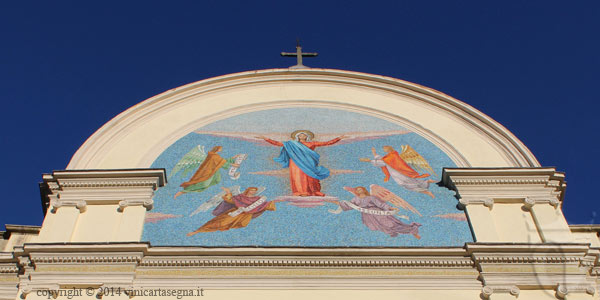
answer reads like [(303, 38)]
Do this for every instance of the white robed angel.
[(378, 207)]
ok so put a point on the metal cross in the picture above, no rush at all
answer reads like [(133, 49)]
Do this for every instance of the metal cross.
[(299, 56)]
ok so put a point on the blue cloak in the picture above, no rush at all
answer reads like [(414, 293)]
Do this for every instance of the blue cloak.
[(305, 158)]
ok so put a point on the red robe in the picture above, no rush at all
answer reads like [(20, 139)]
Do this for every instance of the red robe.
[(394, 161), (223, 221), (302, 184)]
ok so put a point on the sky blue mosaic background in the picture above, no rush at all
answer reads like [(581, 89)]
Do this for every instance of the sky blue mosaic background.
[(305, 227)]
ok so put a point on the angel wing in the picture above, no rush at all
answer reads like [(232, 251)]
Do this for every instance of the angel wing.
[(215, 200), (386, 195), (415, 160), (190, 161)]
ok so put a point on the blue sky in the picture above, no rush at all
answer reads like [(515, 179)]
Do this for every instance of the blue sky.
[(66, 68)]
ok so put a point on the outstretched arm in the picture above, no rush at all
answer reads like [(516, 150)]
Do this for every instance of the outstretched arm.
[(270, 141), (330, 142)]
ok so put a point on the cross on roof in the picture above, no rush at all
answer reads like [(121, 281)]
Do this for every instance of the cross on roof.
[(298, 54)]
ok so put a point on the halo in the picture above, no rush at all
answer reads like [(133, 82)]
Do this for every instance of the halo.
[(353, 190), (310, 134)]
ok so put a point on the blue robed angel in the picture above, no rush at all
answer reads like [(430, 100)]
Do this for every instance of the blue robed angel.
[(303, 162)]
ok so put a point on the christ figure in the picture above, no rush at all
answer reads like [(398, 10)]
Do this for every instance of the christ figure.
[(300, 157)]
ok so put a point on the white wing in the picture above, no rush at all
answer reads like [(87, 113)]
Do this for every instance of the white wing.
[(215, 200), (190, 161), (387, 196)]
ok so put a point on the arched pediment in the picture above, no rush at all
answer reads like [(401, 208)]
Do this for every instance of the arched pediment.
[(136, 137)]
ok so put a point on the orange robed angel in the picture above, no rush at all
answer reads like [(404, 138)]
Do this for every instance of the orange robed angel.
[(398, 167)]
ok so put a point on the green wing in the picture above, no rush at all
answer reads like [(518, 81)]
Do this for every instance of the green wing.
[(189, 162)]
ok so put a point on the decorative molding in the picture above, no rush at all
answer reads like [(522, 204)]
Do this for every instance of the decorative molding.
[(9, 269), (147, 203), (99, 258), (93, 179), (487, 202), (94, 149), (488, 186), (488, 290), (24, 229), (498, 181), (526, 259), (55, 204), (24, 261), (134, 182), (590, 290), (313, 262), (27, 288), (102, 187), (530, 201), (561, 291), (501, 267)]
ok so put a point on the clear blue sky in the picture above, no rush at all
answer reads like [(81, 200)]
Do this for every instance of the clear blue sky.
[(66, 68)]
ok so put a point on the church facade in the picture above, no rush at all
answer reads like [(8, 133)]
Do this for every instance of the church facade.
[(302, 183)]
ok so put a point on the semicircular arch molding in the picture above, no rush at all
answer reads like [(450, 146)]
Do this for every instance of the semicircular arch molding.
[(136, 137)]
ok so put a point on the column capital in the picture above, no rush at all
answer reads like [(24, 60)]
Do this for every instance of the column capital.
[(488, 290)]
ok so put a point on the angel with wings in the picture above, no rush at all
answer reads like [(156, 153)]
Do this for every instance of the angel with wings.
[(401, 167), (207, 167), (234, 209), (378, 208)]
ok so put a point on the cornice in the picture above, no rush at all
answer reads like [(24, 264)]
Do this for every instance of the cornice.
[(526, 259), (10, 228), (290, 251), (98, 258), (502, 176), (312, 262), (59, 180), (497, 267), (6, 256), (486, 186), (529, 248), (57, 248), (9, 269), (585, 228), (80, 188)]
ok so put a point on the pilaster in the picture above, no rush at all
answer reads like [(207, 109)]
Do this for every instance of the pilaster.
[(98, 205), (512, 204)]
